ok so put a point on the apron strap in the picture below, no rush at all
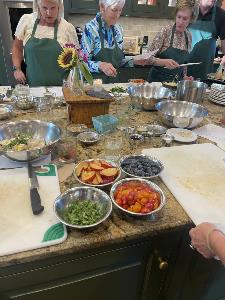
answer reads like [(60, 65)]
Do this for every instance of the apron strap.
[(172, 36), (100, 32), (56, 26), (214, 13), (35, 27)]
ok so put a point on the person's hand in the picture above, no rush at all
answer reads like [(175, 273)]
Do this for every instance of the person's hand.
[(223, 61), (141, 62), (170, 63), (188, 77), (199, 236), (19, 76), (108, 69)]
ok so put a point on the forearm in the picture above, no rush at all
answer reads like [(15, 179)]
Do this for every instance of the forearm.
[(217, 244), (17, 57)]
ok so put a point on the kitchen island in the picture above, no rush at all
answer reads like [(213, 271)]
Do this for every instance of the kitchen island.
[(124, 258)]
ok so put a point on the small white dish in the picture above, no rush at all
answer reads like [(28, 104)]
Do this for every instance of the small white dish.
[(182, 135)]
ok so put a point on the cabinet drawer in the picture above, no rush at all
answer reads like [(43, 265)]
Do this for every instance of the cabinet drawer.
[(73, 265)]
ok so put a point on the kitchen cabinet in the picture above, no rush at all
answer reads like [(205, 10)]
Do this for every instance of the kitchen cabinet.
[(136, 8), (83, 6), (195, 277), (146, 8), (89, 7), (135, 270)]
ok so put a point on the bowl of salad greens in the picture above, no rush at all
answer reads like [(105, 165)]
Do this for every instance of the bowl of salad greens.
[(82, 207), (28, 140)]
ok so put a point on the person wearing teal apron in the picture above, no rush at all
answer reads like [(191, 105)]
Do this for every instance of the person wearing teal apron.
[(109, 55), (39, 38), (160, 74), (41, 59), (102, 41), (204, 36)]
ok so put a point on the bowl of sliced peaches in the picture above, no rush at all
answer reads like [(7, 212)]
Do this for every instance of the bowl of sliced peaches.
[(97, 172), (137, 197)]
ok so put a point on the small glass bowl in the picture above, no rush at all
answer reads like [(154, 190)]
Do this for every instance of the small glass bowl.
[(167, 139)]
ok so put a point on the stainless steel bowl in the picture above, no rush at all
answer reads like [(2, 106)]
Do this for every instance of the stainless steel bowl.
[(156, 130), (5, 111), (24, 102), (132, 158), (98, 185), (145, 96), (152, 185), (191, 91), (36, 129), (80, 194), (181, 114), (88, 137)]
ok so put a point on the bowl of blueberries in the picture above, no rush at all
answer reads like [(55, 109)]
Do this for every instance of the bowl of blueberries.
[(141, 166)]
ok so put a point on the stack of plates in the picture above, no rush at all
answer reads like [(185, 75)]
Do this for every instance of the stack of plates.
[(217, 93)]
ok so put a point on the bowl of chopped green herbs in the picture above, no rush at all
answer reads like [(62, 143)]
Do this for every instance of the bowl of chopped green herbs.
[(82, 207)]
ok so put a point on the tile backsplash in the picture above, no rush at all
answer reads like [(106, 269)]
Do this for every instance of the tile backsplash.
[(131, 26)]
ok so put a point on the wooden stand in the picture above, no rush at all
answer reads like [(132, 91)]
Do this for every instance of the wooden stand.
[(83, 108)]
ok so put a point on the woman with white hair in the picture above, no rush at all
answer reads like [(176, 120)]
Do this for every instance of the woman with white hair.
[(102, 41), (39, 39)]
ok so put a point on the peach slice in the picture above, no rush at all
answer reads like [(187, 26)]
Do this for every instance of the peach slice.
[(109, 172), (95, 180), (99, 178), (87, 176), (105, 165), (96, 161), (80, 167), (95, 166)]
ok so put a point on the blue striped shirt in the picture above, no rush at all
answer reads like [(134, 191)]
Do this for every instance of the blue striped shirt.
[(91, 43)]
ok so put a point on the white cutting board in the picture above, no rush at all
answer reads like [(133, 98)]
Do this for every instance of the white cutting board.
[(195, 174), (20, 230)]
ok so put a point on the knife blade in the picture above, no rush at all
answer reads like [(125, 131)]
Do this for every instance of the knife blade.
[(187, 64), (35, 198)]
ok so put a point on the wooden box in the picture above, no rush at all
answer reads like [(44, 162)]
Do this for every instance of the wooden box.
[(83, 108)]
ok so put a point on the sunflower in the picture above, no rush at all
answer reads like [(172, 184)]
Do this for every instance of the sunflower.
[(68, 58)]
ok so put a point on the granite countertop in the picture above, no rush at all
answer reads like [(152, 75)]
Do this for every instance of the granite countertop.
[(118, 227)]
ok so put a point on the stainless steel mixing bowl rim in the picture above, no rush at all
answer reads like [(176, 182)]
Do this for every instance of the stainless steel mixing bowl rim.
[(204, 109), (143, 155), (85, 188), (151, 184), (36, 149)]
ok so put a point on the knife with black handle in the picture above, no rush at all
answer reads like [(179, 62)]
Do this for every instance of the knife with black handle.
[(35, 198)]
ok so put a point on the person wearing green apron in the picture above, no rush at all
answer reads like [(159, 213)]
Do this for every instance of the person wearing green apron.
[(113, 56), (41, 59), (172, 44), (205, 31), (160, 74), (39, 39), (102, 41)]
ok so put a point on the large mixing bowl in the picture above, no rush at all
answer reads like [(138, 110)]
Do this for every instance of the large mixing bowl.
[(181, 114), (191, 91), (145, 96), (37, 130)]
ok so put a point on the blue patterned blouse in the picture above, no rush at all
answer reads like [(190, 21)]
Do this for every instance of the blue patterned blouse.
[(91, 44)]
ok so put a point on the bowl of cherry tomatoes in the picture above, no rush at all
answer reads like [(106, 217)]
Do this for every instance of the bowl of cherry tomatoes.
[(137, 197)]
